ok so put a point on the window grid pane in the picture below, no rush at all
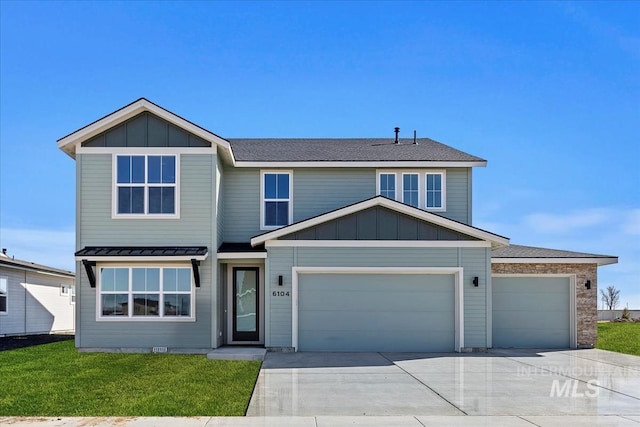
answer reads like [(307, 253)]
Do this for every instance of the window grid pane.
[(410, 189), (160, 199), (276, 199), (434, 191), (388, 185)]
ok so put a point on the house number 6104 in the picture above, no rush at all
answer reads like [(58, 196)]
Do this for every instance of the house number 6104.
[(280, 293)]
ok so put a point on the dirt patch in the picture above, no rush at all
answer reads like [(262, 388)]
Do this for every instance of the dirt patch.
[(11, 343)]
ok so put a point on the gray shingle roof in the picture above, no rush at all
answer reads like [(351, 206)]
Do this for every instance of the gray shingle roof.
[(6, 261), (142, 251), (519, 251), (345, 150)]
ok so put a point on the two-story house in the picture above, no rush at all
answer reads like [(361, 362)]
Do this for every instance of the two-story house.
[(190, 241)]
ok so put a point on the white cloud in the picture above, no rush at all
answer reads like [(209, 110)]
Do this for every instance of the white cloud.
[(563, 223), (632, 225), (54, 248)]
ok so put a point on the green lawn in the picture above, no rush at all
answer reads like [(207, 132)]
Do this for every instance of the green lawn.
[(56, 380), (620, 337)]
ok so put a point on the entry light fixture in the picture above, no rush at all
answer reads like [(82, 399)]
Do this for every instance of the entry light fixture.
[(588, 284), (475, 281), (279, 280)]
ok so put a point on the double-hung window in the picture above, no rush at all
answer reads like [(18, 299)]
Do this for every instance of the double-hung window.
[(146, 185), (145, 293), (387, 185), (276, 207), (433, 190), (421, 188), (4, 285), (410, 191)]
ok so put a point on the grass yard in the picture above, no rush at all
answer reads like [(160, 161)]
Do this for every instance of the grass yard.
[(56, 380), (619, 337)]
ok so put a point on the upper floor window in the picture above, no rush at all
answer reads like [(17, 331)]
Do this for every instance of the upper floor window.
[(433, 190), (3, 294), (276, 207), (387, 185), (410, 191), (145, 292), (424, 189), (146, 185)]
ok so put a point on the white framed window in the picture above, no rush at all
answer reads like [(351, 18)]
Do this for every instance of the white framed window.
[(146, 186), (145, 293), (64, 289), (410, 190), (276, 206), (387, 185), (434, 190), (72, 294), (423, 188), (4, 294)]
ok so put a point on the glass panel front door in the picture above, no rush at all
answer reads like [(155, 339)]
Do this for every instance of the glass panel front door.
[(245, 304)]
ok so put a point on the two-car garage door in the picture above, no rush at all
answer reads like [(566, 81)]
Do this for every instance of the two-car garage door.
[(531, 312), (376, 312)]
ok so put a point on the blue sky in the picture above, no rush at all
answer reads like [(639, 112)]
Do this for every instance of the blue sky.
[(548, 93)]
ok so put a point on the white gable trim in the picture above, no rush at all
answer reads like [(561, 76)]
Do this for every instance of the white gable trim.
[(378, 243), (496, 241), (71, 142), (361, 164)]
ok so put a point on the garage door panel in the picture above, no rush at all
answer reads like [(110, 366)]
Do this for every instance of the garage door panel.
[(357, 341), (378, 301), (384, 312), (530, 312)]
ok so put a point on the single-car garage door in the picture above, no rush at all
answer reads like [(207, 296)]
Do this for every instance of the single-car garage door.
[(531, 312), (376, 312)]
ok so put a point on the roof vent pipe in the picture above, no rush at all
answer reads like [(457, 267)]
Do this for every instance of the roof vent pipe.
[(415, 138), (4, 251), (397, 131)]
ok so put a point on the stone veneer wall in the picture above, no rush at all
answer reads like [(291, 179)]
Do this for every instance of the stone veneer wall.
[(586, 299)]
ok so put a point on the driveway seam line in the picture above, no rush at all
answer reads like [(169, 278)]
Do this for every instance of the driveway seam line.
[(627, 418), (420, 422), (529, 421), (421, 382), (573, 378)]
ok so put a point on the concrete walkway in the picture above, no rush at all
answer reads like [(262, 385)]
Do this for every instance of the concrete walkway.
[(381, 421)]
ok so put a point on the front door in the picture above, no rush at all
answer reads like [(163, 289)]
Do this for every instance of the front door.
[(245, 304)]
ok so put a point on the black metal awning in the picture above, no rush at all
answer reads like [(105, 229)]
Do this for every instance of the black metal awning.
[(90, 255)]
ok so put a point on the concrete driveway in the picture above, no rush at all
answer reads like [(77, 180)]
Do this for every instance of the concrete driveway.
[(530, 384)]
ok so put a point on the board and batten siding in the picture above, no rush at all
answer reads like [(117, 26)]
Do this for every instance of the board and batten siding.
[(196, 226), (281, 260), (317, 191)]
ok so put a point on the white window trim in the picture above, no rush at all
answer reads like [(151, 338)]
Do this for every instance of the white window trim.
[(64, 289), (6, 295), (131, 318), (443, 199), (114, 190), (263, 200), (395, 180), (422, 185), (72, 294)]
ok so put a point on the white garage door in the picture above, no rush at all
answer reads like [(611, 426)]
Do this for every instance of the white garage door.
[(376, 312), (531, 312)]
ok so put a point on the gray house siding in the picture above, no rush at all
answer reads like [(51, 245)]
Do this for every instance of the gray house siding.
[(196, 226), (35, 304), (281, 260), (317, 191)]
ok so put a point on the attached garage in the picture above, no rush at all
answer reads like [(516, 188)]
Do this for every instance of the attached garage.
[(533, 311), (385, 309)]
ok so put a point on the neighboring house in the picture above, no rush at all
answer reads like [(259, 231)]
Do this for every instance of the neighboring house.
[(34, 298), (190, 241)]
